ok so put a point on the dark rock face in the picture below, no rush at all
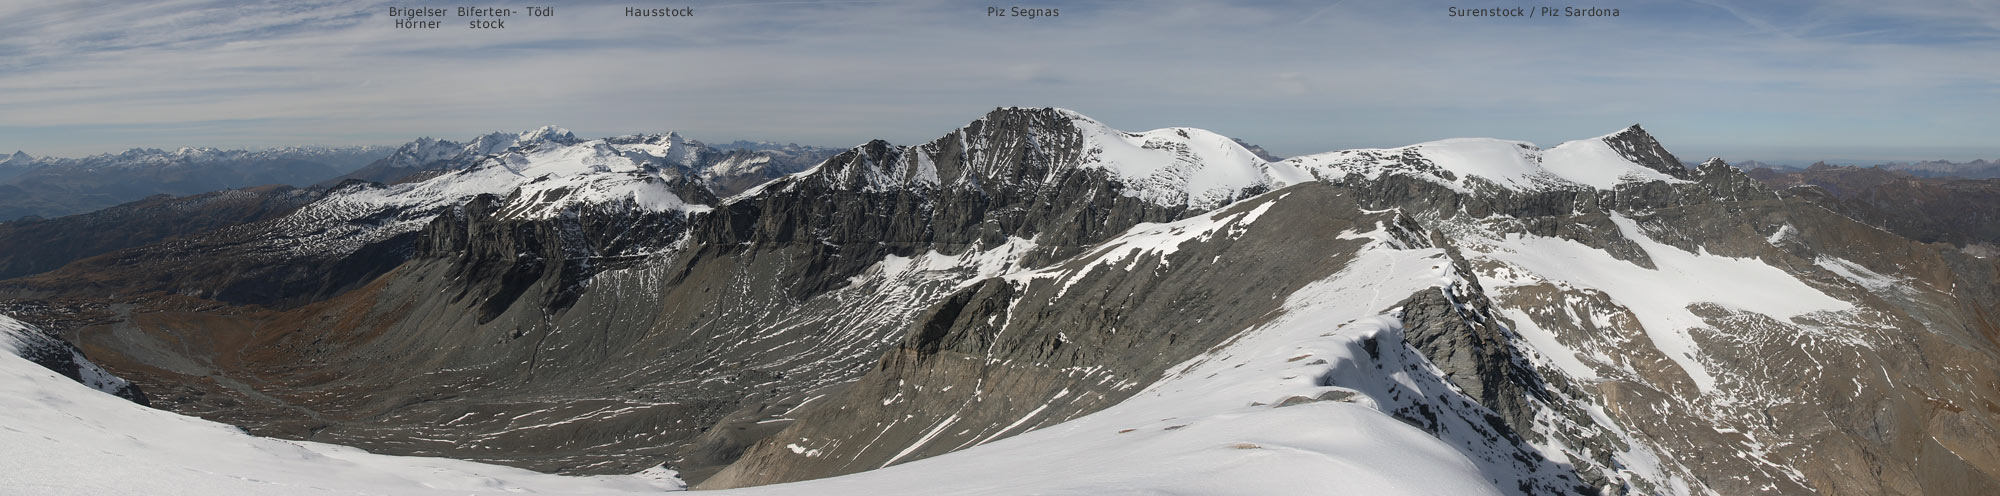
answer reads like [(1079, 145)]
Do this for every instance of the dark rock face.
[(57, 355), (30, 247), (1457, 329), (495, 260), (235, 264), (1259, 151), (1464, 340), (1637, 145)]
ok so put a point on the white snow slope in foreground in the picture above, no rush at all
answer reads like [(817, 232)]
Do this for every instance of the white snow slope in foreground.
[(1208, 428), (61, 438), (16, 335)]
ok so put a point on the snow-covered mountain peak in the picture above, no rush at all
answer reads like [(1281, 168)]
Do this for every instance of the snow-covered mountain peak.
[(1039, 147), (595, 173), (1639, 147), (539, 174), (1019, 146), (1201, 167), (424, 151), (671, 149), (1604, 162), (548, 133), (492, 143), (18, 158), (495, 143)]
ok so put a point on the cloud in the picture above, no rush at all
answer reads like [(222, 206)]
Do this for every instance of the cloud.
[(1292, 83), (1295, 77)]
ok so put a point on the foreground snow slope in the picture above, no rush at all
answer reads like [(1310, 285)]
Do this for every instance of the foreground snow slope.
[(61, 437), (18, 339)]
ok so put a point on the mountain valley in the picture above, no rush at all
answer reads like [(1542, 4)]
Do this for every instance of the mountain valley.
[(1034, 302)]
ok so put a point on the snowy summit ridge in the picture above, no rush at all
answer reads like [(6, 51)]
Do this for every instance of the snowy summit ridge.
[(1197, 168), (1602, 163)]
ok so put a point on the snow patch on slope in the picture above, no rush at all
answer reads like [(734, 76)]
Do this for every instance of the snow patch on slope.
[(1861, 275), (1660, 297), (1151, 239)]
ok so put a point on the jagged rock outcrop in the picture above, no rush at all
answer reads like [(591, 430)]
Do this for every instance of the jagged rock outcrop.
[(1635, 144)]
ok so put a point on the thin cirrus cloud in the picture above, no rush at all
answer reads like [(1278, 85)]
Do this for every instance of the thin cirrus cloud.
[(1766, 80)]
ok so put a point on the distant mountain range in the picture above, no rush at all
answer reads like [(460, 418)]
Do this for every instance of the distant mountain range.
[(1976, 169), (1956, 210), (50, 187)]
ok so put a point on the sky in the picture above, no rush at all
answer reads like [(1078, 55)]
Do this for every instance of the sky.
[(1766, 80)]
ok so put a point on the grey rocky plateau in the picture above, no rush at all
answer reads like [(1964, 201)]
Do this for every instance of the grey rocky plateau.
[(607, 340)]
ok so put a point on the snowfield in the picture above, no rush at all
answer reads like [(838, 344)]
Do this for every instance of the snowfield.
[(1661, 297)]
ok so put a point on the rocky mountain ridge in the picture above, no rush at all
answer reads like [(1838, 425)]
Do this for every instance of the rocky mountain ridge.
[(1590, 317), (727, 169)]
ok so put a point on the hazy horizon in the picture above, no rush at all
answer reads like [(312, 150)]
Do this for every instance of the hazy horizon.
[(1862, 158), (1768, 81)]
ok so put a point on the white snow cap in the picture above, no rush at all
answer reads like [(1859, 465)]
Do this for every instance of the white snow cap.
[(547, 133), (1176, 165), (1515, 165), (1202, 168), (19, 157), (1182, 166)]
